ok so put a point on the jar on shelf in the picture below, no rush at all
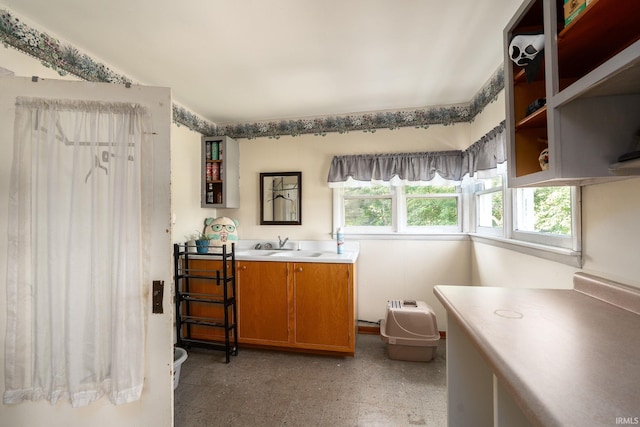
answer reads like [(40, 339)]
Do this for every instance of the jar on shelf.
[(209, 171)]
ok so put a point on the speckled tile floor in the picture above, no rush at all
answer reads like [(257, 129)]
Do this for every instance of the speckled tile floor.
[(273, 388)]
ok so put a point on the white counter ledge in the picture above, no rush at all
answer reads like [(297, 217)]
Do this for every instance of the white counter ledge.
[(541, 356), (295, 251)]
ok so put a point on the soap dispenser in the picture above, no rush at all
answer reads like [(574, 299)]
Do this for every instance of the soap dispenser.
[(340, 239)]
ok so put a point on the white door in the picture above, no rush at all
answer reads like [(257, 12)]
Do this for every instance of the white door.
[(155, 408)]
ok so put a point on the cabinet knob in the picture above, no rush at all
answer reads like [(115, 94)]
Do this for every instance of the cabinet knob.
[(299, 269), (243, 267)]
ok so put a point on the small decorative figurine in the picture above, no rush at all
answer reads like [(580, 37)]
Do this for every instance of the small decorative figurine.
[(544, 159), (221, 231)]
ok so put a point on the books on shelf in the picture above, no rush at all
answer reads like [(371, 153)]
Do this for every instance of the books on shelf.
[(212, 150)]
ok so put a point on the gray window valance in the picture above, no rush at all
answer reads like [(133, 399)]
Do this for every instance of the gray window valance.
[(485, 154)]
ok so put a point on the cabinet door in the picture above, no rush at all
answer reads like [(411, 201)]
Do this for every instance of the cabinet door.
[(263, 302), (323, 307), (201, 310)]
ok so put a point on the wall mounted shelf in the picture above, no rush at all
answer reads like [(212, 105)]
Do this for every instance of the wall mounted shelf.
[(590, 79)]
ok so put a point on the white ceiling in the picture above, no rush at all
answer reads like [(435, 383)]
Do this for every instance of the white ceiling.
[(237, 61)]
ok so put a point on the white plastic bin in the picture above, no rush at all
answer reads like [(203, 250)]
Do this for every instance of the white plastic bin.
[(179, 356), (410, 330)]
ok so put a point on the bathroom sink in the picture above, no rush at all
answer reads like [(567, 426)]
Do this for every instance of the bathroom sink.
[(296, 254), (255, 253)]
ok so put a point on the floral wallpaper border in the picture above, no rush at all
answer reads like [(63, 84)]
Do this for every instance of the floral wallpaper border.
[(370, 122), (66, 59)]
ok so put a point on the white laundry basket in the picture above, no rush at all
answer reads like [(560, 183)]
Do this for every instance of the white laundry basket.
[(179, 356)]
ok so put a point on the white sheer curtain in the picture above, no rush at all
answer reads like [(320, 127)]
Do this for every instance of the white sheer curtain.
[(75, 279)]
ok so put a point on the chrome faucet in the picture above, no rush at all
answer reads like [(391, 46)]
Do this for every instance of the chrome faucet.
[(281, 242)]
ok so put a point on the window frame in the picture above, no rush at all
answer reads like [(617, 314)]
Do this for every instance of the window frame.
[(567, 242), (404, 227), (399, 213), (365, 229), (566, 250), (492, 231), (554, 247)]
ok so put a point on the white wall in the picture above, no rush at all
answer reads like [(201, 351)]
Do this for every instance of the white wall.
[(388, 269), (611, 230), (185, 184), (494, 266), (312, 155), (392, 269), (610, 235), (490, 117), (24, 65)]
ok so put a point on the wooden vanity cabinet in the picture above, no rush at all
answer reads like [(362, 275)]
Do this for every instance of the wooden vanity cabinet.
[(323, 306), (303, 306), (263, 313)]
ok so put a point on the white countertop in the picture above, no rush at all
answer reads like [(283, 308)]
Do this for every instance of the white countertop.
[(567, 358), (295, 251)]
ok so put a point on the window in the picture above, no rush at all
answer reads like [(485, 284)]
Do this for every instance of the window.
[(489, 205), (414, 209), (432, 206), (544, 215), (540, 215), (542, 221), (368, 207)]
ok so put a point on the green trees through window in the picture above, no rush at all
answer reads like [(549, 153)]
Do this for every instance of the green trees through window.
[(544, 210), (424, 206), (368, 206), (538, 215), (425, 209)]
